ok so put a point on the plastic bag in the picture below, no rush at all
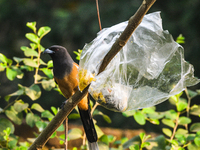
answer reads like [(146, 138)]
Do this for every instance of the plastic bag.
[(148, 70)]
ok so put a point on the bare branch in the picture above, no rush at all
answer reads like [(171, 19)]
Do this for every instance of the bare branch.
[(134, 21)]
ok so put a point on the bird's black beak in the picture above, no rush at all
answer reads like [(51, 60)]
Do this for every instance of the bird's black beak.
[(48, 51)]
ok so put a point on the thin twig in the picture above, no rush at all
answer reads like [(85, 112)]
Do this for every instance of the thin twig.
[(66, 132), (176, 125), (98, 14)]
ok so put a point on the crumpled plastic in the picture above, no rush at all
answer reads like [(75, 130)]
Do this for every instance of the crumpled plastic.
[(148, 70)]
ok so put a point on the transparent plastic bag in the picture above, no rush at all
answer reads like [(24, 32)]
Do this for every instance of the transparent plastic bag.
[(148, 70)]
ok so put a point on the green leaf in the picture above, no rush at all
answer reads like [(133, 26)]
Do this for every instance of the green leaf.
[(17, 60), (30, 52), (30, 62), (134, 147), (33, 38), (33, 46), (75, 133), (184, 120), (168, 122), (37, 107), (139, 118), (180, 39), (13, 115), (142, 136), (53, 135), (74, 116), (197, 141), (99, 131), (31, 119), (3, 58), (18, 92), (5, 123), (154, 121), (148, 110), (33, 92), (167, 132), (47, 114), (54, 110), (43, 31), (107, 118), (181, 138), (47, 72), (20, 106), (195, 127), (11, 73), (191, 93), (61, 128), (192, 146), (48, 84), (195, 110), (181, 106), (50, 64), (31, 25), (128, 113), (12, 144), (104, 139), (41, 125), (182, 131), (171, 114)]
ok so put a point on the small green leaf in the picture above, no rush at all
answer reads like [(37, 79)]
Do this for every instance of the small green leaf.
[(104, 139), (47, 114), (75, 133), (191, 93), (148, 110), (171, 114), (134, 147), (31, 119), (99, 131), (3, 58), (167, 132), (50, 64), (20, 106), (5, 123), (12, 144), (30, 52), (17, 60), (181, 138), (53, 135), (197, 141), (33, 92), (184, 120), (128, 113), (168, 122), (61, 128), (13, 115), (142, 136), (74, 116), (47, 72), (37, 107), (31, 25), (181, 106), (48, 84), (195, 127), (195, 110), (33, 38), (54, 110), (43, 31), (30, 62), (11, 73), (107, 118), (33, 46), (139, 118), (182, 131), (18, 92), (41, 125)]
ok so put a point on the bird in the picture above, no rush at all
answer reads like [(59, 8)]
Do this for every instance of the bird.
[(65, 72)]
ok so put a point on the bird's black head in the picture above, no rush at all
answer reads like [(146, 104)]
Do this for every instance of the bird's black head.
[(62, 61)]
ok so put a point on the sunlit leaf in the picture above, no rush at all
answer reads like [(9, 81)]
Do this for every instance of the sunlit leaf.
[(31, 25), (167, 132), (128, 113), (168, 122), (61, 128), (33, 38), (11, 73), (20, 106), (30, 62), (195, 127), (37, 107), (197, 141), (181, 105), (74, 116), (47, 114), (47, 72), (13, 115), (4, 123), (99, 131), (184, 120), (33, 92), (50, 64), (107, 118), (75, 133), (43, 31), (41, 125), (48, 84), (139, 118), (31, 119), (30, 52), (54, 110)]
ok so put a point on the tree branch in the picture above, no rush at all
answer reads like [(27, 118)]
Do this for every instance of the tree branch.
[(134, 21)]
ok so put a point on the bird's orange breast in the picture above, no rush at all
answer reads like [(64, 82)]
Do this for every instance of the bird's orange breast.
[(69, 85)]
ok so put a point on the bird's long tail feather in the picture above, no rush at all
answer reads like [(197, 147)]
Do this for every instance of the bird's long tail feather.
[(93, 146)]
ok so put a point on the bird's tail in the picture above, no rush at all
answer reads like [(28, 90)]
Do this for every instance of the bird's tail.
[(93, 146)]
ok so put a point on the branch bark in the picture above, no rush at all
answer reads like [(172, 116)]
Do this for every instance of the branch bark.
[(134, 21)]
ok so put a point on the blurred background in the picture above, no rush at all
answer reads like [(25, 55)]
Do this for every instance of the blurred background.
[(74, 23)]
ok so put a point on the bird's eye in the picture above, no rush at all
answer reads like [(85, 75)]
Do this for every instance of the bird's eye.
[(57, 49)]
